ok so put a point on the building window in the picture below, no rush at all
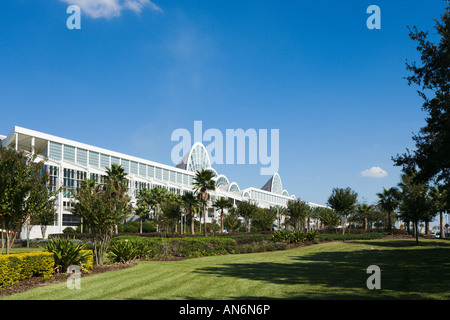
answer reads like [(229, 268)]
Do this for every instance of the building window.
[(70, 220)]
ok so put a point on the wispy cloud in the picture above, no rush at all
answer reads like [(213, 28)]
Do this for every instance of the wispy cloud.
[(374, 172), (111, 8)]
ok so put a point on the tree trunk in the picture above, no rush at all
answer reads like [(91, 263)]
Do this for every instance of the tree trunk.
[(389, 223), (365, 222), (204, 220), (192, 223), (417, 231), (221, 221), (43, 231), (140, 225), (441, 225)]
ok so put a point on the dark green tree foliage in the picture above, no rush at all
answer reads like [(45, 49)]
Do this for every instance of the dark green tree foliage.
[(203, 184), (102, 207), (416, 204), (431, 158), (441, 200), (389, 201), (190, 202), (24, 192), (343, 201), (247, 210), (329, 217), (296, 212), (222, 204), (264, 218), (171, 211)]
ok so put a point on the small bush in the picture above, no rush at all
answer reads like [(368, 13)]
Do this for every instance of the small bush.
[(148, 226), (20, 266), (131, 227), (69, 230)]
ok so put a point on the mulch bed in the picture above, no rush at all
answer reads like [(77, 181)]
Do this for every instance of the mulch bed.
[(35, 282)]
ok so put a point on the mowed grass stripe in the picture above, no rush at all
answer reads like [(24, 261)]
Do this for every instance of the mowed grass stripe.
[(324, 271)]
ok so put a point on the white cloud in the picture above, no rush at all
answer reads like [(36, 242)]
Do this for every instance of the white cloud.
[(111, 8), (374, 172)]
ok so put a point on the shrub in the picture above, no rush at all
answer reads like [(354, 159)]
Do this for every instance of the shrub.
[(131, 227), (69, 230), (283, 236), (20, 266), (127, 250), (261, 247), (148, 226), (68, 252)]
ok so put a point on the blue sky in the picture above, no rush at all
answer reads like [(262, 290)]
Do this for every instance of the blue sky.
[(137, 70)]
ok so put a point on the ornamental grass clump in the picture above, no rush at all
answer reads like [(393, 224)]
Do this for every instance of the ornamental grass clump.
[(68, 252), (128, 250)]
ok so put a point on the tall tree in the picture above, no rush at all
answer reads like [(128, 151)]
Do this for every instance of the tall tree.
[(156, 198), (296, 212), (329, 217), (247, 210), (190, 202), (364, 210), (416, 204), (431, 160), (171, 211), (24, 191), (440, 199), (102, 207), (116, 179), (389, 201), (222, 204), (144, 204), (203, 185), (343, 202), (264, 218)]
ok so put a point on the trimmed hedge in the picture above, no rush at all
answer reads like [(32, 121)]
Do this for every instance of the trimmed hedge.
[(20, 266), (88, 265), (184, 247), (199, 247)]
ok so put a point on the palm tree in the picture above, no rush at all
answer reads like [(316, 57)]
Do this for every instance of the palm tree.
[(389, 201), (157, 197), (143, 203), (203, 184), (116, 176), (439, 196), (190, 202), (222, 204), (363, 209)]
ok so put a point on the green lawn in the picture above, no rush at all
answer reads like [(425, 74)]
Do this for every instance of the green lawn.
[(334, 270)]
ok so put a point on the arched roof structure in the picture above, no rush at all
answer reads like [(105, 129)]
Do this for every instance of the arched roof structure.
[(234, 187), (196, 159), (274, 184)]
